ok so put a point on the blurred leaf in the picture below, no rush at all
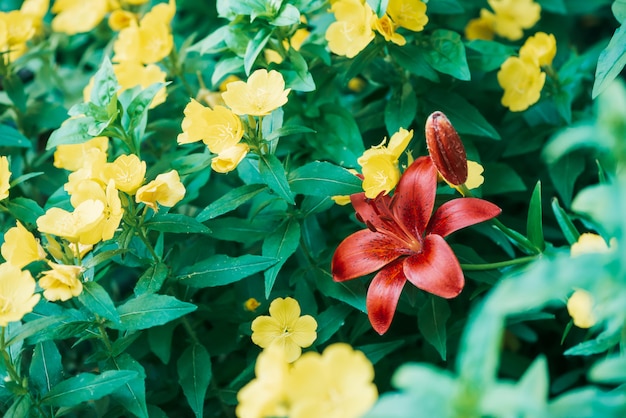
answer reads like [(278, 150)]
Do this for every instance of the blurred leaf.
[(534, 222), (619, 10), (320, 178), (177, 223), (329, 322), (230, 201), (603, 342), (194, 376), (21, 407), (98, 301), (611, 62), (220, 270), (12, 84), (447, 54), (400, 108), (72, 131), (501, 178), (149, 310), (11, 137), (564, 172), (378, 351), (46, 369), (431, 319), (588, 402), (152, 279), (378, 6), (609, 370), (86, 387), (281, 244), (579, 136), (288, 15), (273, 174)]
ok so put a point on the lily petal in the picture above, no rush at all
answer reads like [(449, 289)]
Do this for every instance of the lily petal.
[(460, 213), (383, 295), (436, 269), (363, 253), (366, 209), (414, 198)]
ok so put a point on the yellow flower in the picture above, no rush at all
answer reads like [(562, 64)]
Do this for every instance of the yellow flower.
[(259, 96), (512, 16), (379, 164), (227, 160), (120, 19), (130, 74), (127, 171), (5, 175), (580, 308), (166, 190), (540, 49), (522, 82), (482, 27), (73, 226), (16, 28), (135, 2), (409, 14), (20, 247), (61, 283), (352, 31), (341, 200), (285, 327), (251, 304), (474, 178), (265, 396), (78, 16), (589, 243), (112, 212), (218, 128), (35, 8), (73, 156), (386, 27), (17, 293), (335, 384)]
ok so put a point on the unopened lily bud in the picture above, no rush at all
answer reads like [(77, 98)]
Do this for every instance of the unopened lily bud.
[(446, 149)]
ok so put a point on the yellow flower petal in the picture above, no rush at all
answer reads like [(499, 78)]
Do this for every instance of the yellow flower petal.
[(409, 14), (589, 243), (5, 175), (580, 308), (260, 95), (17, 293), (229, 158), (522, 82), (265, 329), (61, 282), (20, 247), (540, 49)]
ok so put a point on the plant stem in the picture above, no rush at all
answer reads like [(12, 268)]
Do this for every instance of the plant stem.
[(500, 264)]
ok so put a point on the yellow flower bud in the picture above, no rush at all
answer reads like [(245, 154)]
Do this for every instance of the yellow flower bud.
[(62, 282)]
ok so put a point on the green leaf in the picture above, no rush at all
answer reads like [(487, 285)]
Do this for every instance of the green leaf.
[(132, 394), (378, 6), (501, 178), (431, 319), (86, 387), (329, 322), (31, 328), (152, 279), (230, 201), (611, 62), (72, 131), (619, 10), (102, 257), (413, 59), (363, 60), (289, 15), (160, 341), (21, 407), (255, 47), (11, 137), (273, 174), (280, 245), (98, 301), (447, 54), (220, 270), (445, 7), (534, 222), (320, 178), (378, 351), (211, 44), (105, 85), (46, 369), (149, 310), (570, 232), (400, 108), (194, 376), (487, 55), (603, 342), (225, 67), (240, 230), (12, 84), (611, 370), (554, 6), (24, 209), (564, 172), (465, 118), (351, 292), (287, 130), (177, 223), (137, 110)]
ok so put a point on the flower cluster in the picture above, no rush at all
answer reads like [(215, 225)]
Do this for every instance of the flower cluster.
[(356, 24), (17, 27), (76, 16), (522, 77), (221, 128), (337, 383), (508, 20)]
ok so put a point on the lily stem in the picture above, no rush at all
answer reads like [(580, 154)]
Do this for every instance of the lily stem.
[(500, 264)]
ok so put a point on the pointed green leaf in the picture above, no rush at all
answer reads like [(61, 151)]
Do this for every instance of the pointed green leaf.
[(431, 319), (26, 210), (86, 387), (378, 6), (329, 322), (98, 301), (152, 279), (46, 369), (149, 310), (280, 245), (102, 257), (176, 223), (255, 47), (378, 351), (105, 84), (273, 174), (447, 54), (534, 222), (11, 137), (413, 59), (194, 376), (72, 131), (321, 178), (400, 108), (220, 270), (230, 201), (132, 394), (611, 61), (570, 232)]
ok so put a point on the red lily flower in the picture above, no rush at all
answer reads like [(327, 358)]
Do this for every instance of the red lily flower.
[(405, 241)]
